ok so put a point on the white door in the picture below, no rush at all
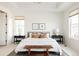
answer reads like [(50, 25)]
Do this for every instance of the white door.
[(3, 29)]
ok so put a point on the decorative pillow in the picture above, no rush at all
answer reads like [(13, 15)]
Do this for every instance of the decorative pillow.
[(43, 35), (35, 35), (38, 35)]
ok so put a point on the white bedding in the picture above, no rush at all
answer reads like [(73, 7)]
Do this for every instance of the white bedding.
[(39, 41)]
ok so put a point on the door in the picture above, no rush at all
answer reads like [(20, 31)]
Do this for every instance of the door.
[(3, 28)]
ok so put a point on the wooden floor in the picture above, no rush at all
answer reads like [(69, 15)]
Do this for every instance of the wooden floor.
[(5, 50), (67, 51)]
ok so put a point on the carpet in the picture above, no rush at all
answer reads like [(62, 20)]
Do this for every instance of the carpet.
[(26, 54)]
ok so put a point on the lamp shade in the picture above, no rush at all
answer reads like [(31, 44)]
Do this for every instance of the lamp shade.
[(57, 31)]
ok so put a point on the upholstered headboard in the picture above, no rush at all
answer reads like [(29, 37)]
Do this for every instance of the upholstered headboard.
[(39, 34)]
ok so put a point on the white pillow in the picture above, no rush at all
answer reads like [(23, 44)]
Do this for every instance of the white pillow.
[(30, 35), (48, 35)]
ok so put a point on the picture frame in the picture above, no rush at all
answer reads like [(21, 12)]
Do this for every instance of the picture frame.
[(38, 26), (42, 26), (35, 26)]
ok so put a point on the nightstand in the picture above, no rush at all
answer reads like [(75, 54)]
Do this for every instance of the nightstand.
[(18, 37), (59, 37)]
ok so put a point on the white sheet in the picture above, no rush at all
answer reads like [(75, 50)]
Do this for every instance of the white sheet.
[(39, 41)]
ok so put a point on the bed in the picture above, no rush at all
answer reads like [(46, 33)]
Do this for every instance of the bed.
[(39, 41)]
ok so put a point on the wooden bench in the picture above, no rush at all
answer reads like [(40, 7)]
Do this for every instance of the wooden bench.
[(46, 47)]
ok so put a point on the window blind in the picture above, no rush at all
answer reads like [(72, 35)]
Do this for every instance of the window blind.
[(74, 12), (19, 17)]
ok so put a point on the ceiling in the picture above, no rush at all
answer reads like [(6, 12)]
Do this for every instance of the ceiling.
[(37, 6)]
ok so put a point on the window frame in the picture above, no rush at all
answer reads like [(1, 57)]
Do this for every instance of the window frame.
[(69, 27), (19, 27)]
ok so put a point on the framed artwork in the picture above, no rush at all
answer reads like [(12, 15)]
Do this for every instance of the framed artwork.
[(38, 26), (42, 26), (35, 26)]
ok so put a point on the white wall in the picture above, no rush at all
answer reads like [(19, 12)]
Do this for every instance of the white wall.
[(9, 25), (70, 42), (52, 21)]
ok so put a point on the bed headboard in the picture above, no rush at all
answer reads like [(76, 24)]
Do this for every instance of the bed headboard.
[(38, 34)]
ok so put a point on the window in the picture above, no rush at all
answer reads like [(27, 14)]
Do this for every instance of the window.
[(19, 27), (74, 26)]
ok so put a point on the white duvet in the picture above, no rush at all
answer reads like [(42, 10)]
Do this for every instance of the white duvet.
[(39, 41)]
